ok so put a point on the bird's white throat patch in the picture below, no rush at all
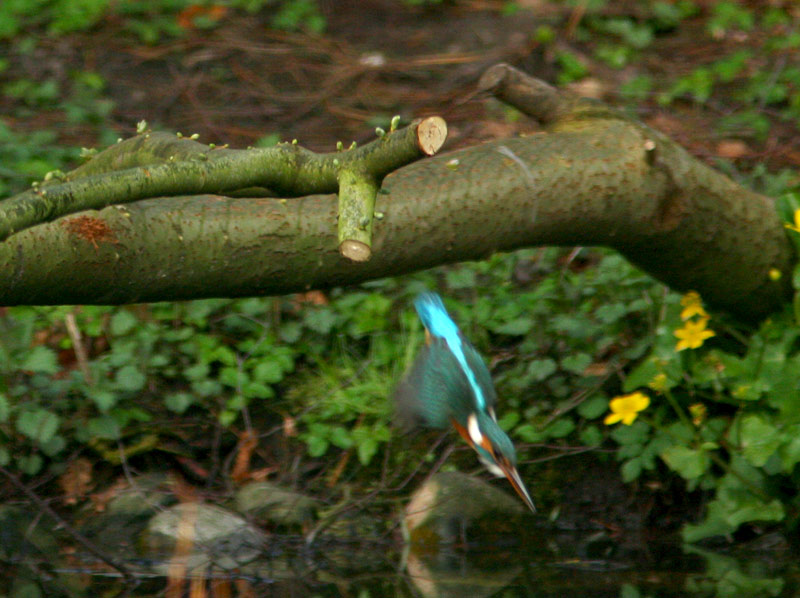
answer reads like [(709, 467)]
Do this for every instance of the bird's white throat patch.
[(474, 430)]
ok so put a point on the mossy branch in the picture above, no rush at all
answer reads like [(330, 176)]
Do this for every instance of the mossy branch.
[(593, 177), (160, 165)]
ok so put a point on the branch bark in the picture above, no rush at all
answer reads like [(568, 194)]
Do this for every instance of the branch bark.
[(594, 177), (158, 164)]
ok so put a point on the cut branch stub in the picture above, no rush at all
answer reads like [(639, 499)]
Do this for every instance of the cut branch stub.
[(358, 185), (357, 193), (431, 134)]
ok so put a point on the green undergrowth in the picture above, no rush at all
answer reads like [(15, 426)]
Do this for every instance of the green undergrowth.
[(753, 83), (150, 22), (564, 334), (328, 365)]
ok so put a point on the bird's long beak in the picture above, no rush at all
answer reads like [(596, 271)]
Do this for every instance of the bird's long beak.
[(502, 465), (513, 476)]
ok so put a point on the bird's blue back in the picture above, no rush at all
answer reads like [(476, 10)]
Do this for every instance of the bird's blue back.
[(435, 318)]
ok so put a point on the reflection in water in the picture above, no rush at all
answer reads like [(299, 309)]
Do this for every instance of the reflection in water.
[(544, 565)]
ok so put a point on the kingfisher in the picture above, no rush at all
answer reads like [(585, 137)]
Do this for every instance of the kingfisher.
[(450, 385)]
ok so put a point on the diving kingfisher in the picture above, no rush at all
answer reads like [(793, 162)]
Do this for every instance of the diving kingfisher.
[(449, 384)]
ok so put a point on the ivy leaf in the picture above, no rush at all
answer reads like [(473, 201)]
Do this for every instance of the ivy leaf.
[(320, 320), (367, 447), (540, 369), (593, 407), (268, 372), (631, 469), (41, 360), (122, 322), (689, 463), (317, 446), (178, 402), (516, 327), (577, 363), (758, 439), (38, 424), (129, 378)]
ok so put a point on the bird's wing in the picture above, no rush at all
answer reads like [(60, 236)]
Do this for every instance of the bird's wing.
[(480, 373), (434, 391)]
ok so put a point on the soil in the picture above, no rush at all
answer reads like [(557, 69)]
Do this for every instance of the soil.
[(242, 80)]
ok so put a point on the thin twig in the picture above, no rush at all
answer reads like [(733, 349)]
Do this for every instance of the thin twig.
[(78, 347), (76, 535)]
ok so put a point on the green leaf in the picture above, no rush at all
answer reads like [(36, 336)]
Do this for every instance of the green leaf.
[(560, 428), (42, 360), (290, 332), (516, 327), (508, 420), (460, 278), (611, 312), (129, 378), (54, 446), (30, 464), (576, 363), (320, 320), (227, 417), (257, 390), (593, 407), (689, 463), (38, 424), (635, 434), (631, 469), (104, 399), (629, 591), (5, 408), (198, 371), (268, 372), (371, 315), (232, 376), (528, 433), (591, 436), (179, 402), (758, 439), (122, 322), (317, 445), (105, 427), (367, 448), (645, 373), (540, 369), (340, 437)]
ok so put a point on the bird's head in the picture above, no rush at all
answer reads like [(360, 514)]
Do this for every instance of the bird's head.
[(495, 450)]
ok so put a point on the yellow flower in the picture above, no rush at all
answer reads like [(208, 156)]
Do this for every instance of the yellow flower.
[(698, 412), (659, 382), (796, 226), (693, 334), (625, 408), (692, 306), (775, 274)]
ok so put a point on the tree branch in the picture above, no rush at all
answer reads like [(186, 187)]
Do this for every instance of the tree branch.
[(594, 178), (157, 165)]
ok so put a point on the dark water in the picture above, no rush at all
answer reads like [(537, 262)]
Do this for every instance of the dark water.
[(551, 565)]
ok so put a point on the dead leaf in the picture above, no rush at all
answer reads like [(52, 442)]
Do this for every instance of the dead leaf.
[(76, 481), (732, 149), (248, 441)]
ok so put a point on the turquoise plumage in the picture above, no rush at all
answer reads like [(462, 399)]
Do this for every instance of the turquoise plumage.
[(450, 385)]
